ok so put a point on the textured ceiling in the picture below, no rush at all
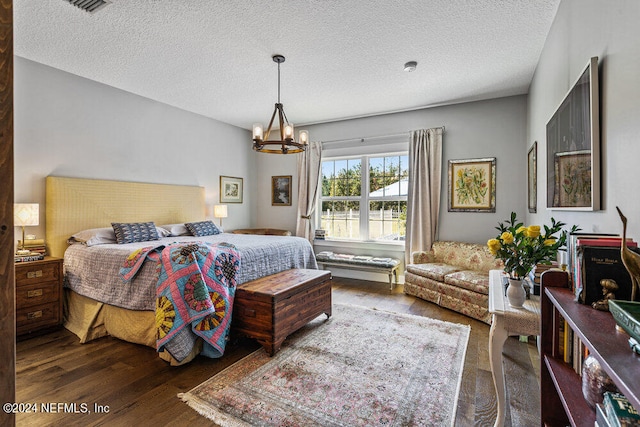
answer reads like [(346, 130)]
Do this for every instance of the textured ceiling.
[(344, 59)]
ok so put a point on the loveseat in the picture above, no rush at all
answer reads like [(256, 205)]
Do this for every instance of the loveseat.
[(454, 275)]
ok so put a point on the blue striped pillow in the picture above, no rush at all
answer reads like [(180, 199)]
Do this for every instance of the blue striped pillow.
[(130, 232)]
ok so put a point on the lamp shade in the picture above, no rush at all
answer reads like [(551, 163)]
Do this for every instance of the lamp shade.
[(220, 211), (26, 214)]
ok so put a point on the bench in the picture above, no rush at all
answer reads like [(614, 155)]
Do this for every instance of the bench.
[(272, 307), (360, 262)]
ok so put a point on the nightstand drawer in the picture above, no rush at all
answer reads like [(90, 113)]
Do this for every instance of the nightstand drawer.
[(39, 293), (30, 273), (31, 318)]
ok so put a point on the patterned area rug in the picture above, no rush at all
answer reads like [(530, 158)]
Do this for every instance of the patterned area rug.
[(362, 367)]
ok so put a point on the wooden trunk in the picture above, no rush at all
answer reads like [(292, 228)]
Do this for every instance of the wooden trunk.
[(272, 307)]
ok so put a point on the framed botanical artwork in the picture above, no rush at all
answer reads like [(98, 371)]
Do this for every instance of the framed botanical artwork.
[(472, 185), (532, 174), (572, 186), (230, 189), (281, 190), (573, 146)]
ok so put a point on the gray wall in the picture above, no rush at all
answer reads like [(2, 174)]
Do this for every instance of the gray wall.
[(609, 30), (66, 125), (494, 128)]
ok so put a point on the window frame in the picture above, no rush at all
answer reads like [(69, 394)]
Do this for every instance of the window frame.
[(364, 200)]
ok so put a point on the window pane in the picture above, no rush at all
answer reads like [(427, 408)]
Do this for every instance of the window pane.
[(387, 220), (341, 219), (387, 178), (328, 176)]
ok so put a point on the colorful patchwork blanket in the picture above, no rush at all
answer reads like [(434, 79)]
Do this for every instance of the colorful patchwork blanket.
[(194, 294)]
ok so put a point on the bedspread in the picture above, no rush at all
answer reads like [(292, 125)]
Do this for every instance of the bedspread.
[(94, 271), (194, 295)]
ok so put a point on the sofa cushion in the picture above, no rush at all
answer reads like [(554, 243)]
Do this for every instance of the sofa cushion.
[(472, 280), (434, 270), (468, 256)]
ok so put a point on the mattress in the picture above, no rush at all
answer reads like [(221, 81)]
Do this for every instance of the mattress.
[(93, 271)]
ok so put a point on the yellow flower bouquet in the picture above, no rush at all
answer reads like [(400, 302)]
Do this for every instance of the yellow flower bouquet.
[(521, 247)]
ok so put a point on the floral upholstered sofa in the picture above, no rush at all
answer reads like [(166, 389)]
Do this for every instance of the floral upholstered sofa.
[(454, 275)]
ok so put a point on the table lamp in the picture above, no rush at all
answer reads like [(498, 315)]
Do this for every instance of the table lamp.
[(220, 211), (25, 214)]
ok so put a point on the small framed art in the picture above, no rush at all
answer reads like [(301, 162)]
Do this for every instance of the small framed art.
[(472, 185), (532, 174), (281, 190), (230, 189)]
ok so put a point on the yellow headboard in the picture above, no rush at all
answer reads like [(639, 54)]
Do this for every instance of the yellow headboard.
[(75, 204)]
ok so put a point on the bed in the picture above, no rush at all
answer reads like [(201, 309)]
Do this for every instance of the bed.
[(96, 302)]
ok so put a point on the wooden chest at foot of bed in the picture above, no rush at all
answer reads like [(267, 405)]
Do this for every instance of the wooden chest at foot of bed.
[(272, 307)]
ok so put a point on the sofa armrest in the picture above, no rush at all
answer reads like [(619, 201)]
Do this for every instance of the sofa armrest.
[(422, 257)]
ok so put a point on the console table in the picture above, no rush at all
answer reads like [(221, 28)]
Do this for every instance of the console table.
[(507, 321)]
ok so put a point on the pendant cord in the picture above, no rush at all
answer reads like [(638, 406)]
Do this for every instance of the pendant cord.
[(278, 83)]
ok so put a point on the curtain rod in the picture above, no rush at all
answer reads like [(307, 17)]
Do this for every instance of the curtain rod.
[(363, 139)]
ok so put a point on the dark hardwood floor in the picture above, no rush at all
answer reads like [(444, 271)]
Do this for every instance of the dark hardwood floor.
[(139, 388)]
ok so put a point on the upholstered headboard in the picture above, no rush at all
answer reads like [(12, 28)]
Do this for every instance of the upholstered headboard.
[(75, 204)]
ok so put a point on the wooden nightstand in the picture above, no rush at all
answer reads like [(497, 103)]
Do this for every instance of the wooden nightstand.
[(38, 295)]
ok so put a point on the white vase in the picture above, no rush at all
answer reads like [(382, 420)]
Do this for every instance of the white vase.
[(515, 293)]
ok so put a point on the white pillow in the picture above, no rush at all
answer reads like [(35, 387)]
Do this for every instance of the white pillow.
[(176, 229), (101, 236), (94, 236)]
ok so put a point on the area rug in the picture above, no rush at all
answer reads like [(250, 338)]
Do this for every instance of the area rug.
[(361, 367)]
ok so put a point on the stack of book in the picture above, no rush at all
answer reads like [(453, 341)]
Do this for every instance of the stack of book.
[(34, 245), (33, 250), (320, 234), (534, 275), (616, 411), (594, 257)]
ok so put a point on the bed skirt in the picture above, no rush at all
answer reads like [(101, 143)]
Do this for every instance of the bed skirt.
[(89, 319)]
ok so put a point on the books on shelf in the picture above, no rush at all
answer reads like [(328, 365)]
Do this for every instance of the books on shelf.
[(619, 411), (598, 263)]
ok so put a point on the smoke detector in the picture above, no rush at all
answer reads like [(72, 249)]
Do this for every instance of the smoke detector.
[(410, 66), (89, 5)]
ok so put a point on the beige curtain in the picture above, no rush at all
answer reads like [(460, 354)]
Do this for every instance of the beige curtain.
[(423, 202), (309, 177)]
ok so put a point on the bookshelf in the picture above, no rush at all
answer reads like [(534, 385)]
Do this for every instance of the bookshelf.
[(561, 397)]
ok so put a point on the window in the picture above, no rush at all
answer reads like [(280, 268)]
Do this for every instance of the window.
[(365, 198)]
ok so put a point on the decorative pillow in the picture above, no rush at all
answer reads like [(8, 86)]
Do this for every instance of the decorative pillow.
[(202, 228), (176, 229), (134, 232), (94, 236)]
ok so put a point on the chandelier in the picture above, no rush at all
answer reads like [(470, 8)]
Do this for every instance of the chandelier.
[(286, 144)]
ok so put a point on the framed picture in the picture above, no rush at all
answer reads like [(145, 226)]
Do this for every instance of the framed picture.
[(472, 185), (573, 134), (230, 189), (572, 186), (281, 190), (532, 174)]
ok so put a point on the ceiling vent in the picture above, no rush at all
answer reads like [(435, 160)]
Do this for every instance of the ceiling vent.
[(89, 5)]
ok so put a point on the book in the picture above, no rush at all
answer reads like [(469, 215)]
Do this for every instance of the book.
[(30, 257), (620, 412), (597, 263), (615, 242), (601, 416)]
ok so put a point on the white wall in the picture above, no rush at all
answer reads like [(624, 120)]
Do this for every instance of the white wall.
[(609, 30), (66, 125), (494, 128)]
